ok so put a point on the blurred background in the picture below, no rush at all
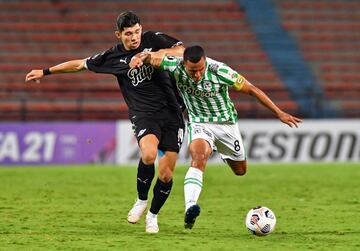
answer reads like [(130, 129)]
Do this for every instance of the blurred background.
[(304, 54)]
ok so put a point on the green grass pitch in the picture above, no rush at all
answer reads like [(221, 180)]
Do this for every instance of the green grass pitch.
[(84, 208)]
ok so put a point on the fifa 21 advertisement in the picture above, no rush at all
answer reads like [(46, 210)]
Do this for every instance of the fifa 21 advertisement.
[(56, 143), (272, 141)]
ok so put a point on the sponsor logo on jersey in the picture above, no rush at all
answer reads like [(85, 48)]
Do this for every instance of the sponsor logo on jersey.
[(195, 92), (123, 61), (138, 75)]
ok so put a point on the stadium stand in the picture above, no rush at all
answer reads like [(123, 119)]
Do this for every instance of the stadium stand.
[(328, 34), (35, 34), (285, 56)]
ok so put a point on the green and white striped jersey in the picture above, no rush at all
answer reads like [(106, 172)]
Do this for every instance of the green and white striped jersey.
[(207, 100)]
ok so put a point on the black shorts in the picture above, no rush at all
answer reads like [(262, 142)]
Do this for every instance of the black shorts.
[(168, 127)]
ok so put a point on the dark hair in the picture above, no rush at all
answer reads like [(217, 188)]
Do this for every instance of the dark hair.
[(126, 19), (194, 53)]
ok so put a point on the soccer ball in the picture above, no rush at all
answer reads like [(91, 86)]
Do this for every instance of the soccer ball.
[(260, 221)]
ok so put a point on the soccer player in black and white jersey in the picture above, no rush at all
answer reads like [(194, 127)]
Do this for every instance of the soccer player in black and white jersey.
[(154, 107)]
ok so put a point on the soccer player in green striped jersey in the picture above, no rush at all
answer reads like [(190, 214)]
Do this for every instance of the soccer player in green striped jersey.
[(203, 84)]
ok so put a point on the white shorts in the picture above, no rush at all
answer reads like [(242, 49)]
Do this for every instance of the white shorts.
[(223, 138)]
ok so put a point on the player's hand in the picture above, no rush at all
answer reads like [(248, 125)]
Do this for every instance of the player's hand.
[(290, 120), (135, 62), (156, 58), (34, 75), (139, 59)]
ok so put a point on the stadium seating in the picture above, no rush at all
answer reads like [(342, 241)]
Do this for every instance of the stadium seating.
[(328, 34), (36, 34)]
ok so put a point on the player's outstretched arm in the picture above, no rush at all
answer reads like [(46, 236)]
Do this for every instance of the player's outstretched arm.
[(284, 117), (66, 67)]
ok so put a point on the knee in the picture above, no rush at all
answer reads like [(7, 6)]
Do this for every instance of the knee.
[(148, 157), (200, 152), (165, 174), (199, 160)]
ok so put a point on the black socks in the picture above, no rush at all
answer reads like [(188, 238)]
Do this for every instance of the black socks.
[(161, 193), (145, 176), (161, 190)]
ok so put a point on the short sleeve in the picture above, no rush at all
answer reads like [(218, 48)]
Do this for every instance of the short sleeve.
[(230, 77), (101, 62), (170, 63), (162, 40)]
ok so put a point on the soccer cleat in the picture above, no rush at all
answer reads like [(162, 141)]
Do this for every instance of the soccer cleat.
[(151, 223), (137, 211), (190, 216)]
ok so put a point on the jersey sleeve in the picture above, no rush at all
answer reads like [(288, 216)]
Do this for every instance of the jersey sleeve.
[(101, 62), (230, 77), (162, 40), (170, 64)]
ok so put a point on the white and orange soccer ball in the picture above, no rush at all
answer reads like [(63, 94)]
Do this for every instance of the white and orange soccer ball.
[(260, 221)]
